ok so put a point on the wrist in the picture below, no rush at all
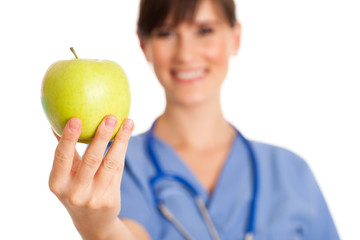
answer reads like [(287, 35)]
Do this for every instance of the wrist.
[(110, 231)]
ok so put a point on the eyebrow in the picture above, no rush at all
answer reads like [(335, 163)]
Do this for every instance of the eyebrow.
[(207, 22), (195, 22)]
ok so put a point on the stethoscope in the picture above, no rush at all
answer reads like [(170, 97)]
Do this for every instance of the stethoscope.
[(165, 211)]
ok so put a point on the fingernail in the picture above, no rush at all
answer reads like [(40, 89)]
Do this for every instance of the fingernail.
[(110, 122), (74, 124), (127, 125)]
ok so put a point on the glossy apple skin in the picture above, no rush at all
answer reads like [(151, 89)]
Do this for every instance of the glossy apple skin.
[(86, 89)]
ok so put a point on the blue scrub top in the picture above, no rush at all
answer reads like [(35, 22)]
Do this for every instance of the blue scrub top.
[(289, 203)]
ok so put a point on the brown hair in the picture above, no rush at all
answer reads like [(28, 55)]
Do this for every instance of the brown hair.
[(153, 13)]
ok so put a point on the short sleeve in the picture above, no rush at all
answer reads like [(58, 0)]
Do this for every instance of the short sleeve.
[(136, 204), (305, 188), (291, 204), (322, 225)]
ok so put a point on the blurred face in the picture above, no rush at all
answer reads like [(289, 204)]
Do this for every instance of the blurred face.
[(191, 60)]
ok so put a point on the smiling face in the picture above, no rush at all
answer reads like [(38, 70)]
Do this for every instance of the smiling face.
[(191, 59)]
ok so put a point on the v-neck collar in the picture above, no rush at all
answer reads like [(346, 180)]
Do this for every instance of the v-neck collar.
[(170, 161)]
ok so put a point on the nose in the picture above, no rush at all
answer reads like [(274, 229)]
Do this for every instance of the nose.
[(185, 50)]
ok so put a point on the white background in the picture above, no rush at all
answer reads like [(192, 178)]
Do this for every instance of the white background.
[(295, 83)]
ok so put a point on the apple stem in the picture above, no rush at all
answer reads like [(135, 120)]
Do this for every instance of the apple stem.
[(73, 51)]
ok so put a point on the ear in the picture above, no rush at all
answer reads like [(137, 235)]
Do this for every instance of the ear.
[(237, 38), (145, 48)]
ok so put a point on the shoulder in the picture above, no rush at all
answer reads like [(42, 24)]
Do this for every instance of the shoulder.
[(137, 146), (282, 166), (135, 188), (278, 156), (287, 191), (137, 158)]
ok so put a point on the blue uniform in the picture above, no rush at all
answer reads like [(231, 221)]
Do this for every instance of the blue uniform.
[(289, 202)]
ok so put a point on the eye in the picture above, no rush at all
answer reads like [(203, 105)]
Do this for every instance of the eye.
[(164, 33), (205, 31)]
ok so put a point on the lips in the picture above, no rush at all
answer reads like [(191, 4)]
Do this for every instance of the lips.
[(188, 75)]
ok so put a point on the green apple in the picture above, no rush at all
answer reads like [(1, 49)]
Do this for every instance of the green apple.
[(87, 89)]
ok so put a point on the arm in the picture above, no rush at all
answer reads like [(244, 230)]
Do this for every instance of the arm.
[(123, 229), (89, 188), (138, 231)]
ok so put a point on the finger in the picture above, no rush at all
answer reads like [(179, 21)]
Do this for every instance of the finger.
[(112, 194), (76, 163), (77, 158), (65, 150), (115, 182), (113, 162), (95, 152)]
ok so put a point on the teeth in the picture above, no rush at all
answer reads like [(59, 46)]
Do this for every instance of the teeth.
[(189, 75)]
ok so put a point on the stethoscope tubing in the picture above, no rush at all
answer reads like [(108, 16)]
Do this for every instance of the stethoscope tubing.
[(161, 174), (253, 158)]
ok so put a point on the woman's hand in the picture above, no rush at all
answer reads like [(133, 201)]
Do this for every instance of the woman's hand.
[(89, 187)]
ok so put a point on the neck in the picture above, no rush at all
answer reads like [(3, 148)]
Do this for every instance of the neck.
[(200, 127)]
